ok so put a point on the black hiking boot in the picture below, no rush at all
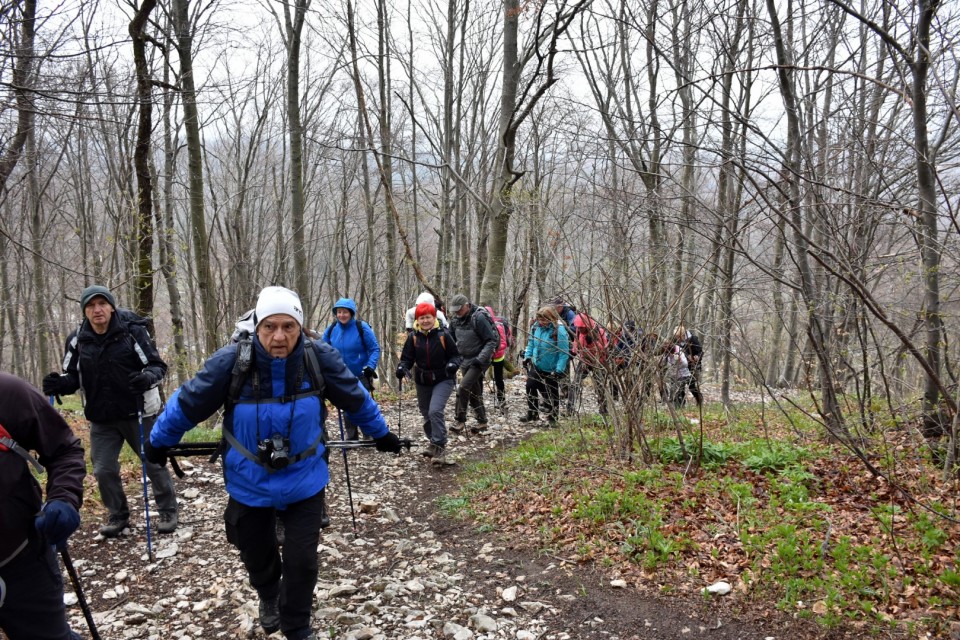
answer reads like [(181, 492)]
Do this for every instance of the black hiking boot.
[(532, 416), (270, 613), (115, 526)]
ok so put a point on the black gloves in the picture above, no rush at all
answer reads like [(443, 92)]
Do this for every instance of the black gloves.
[(452, 369), (156, 455), (389, 443), (54, 384), (526, 363), (57, 520), (140, 381), (401, 372), (369, 373)]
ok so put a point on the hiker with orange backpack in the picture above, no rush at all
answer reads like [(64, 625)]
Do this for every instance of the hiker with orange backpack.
[(430, 355)]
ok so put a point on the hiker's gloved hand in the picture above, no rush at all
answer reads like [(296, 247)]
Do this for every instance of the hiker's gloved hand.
[(369, 373), (401, 372), (156, 455), (526, 363), (452, 369), (54, 384), (56, 521), (140, 381), (389, 443)]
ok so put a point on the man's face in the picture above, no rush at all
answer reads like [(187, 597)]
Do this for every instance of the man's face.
[(279, 334), (98, 312), (344, 315), (463, 310)]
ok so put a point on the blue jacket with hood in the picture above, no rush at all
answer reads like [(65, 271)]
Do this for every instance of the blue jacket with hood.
[(548, 348), (345, 338), (300, 420)]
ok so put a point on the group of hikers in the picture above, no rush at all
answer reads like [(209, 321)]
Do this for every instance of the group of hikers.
[(272, 381)]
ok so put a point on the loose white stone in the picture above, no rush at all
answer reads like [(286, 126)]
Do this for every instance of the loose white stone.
[(509, 594), (618, 583), (718, 588)]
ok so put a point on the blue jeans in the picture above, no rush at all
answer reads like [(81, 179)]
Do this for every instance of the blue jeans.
[(31, 596), (432, 400), (106, 440)]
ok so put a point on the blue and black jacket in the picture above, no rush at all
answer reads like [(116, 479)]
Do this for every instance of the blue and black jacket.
[(282, 408)]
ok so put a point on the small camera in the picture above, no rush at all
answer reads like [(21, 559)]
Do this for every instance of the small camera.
[(274, 452)]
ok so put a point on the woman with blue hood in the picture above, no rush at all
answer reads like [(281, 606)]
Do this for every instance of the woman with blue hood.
[(358, 347)]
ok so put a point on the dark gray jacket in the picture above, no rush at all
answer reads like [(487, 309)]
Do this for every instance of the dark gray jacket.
[(476, 338)]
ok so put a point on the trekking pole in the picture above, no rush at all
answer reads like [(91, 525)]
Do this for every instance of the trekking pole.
[(75, 579), (346, 471), (143, 476), (400, 408)]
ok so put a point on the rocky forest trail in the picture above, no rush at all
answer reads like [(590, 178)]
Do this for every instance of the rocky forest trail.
[(407, 572)]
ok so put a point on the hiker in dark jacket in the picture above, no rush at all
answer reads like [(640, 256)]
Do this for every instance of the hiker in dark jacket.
[(476, 338), (274, 466), (430, 352), (113, 360), (358, 347), (31, 587)]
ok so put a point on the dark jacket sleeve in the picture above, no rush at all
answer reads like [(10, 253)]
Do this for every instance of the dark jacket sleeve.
[(155, 364), (489, 336), (41, 428), (71, 363), (407, 355)]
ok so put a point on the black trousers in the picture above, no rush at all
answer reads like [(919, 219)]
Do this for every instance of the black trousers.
[(253, 531), (31, 596), (470, 392), (547, 387)]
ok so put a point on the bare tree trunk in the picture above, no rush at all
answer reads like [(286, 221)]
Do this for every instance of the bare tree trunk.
[(830, 408), (205, 286), (144, 217), (23, 78)]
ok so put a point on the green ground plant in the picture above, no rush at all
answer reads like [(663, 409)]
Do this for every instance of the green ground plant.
[(829, 545)]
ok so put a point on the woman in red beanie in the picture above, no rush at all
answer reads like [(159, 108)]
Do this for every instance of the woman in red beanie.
[(430, 352)]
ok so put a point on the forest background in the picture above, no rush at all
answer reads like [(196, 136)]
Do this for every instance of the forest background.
[(781, 177)]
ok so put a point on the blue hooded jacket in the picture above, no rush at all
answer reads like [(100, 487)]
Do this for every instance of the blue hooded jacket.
[(357, 353), (548, 348), (299, 420)]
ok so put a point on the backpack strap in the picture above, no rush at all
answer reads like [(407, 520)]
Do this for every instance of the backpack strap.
[(8, 443)]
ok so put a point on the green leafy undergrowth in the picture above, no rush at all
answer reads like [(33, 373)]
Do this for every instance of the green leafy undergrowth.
[(793, 526)]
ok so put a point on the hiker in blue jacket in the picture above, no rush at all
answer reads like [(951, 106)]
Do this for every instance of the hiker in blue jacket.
[(358, 347), (274, 464), (545, 360)]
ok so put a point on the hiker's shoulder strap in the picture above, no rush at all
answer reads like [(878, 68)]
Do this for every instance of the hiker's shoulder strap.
[(313, 367), (241, 367), (8, 443)]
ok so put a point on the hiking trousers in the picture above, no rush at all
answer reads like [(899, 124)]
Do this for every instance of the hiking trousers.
[(253, 531), (31, 596), (432, 400), (106, 441), (547, 387), (471, 391)]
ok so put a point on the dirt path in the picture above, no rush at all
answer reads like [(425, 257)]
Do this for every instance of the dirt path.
[(406, 573)]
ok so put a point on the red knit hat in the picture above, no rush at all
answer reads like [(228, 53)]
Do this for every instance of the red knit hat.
[(424, 308)]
